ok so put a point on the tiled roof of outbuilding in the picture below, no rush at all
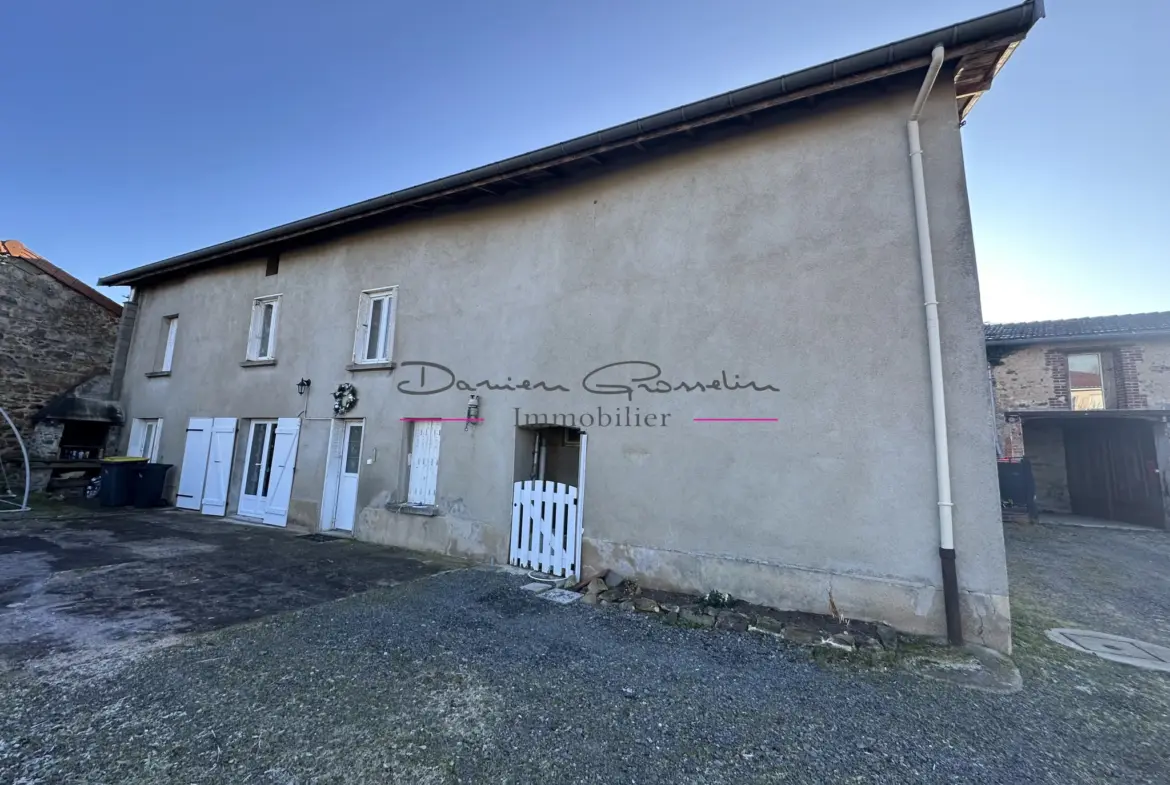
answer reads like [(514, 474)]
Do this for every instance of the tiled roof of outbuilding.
[(1087, 327)]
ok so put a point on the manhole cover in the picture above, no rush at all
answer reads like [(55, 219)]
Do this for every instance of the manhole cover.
[(1114, 647)]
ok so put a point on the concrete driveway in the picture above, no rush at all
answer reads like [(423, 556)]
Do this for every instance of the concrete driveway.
[(79, 590), (464, 677)]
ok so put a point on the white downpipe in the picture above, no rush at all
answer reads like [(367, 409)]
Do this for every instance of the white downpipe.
[(942, 452)]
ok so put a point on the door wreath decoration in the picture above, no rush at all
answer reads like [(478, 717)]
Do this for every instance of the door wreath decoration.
[(344, 398)]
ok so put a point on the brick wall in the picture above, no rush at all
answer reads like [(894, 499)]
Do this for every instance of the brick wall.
[(52, 338)]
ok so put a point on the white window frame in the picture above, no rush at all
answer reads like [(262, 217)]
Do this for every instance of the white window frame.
[(385, 350), (256, 328), (140, 446), (1100, 376), (171, 324)]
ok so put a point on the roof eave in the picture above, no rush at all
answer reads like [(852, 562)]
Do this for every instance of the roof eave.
[(1076, 339)]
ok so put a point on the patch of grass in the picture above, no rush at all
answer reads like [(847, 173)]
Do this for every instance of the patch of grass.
[(866, 658)]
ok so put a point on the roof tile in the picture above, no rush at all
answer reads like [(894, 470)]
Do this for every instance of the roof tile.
[(1086, 327)]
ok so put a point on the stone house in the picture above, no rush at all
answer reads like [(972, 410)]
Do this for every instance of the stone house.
[(1087, 401), (57, 337), (638, 349)]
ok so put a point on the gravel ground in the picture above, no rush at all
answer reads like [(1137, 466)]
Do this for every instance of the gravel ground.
[(1110, 580), (462, 677)]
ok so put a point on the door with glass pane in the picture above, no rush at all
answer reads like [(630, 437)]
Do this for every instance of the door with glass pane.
[(351, 461), (258, 468)]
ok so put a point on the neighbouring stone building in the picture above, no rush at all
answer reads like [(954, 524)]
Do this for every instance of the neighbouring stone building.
[(1087, 402), (57, 337)]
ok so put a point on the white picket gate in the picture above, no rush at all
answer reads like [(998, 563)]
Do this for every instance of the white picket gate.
[(546, 527)]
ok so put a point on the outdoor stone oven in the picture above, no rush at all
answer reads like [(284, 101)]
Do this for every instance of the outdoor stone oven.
[(71, 434)]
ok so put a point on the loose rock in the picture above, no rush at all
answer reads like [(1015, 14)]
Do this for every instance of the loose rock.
[(645, 604), (613, 579), (596, 586), (801, 635), (732, 620), (626, 605), (845, 639), (588, 575), (589, 599), (888, 636), (692, 617)]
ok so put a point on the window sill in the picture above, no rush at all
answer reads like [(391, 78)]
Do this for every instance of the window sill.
[(257, 363), (157, 374), (426, 510), (386, 366)]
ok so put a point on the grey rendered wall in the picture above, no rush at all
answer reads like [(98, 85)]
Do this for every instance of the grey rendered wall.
[(787, 256)]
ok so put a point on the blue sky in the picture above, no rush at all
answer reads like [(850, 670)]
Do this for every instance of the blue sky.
[(138, 130)]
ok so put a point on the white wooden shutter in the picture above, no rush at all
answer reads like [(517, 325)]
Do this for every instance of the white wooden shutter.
[(362, 334), (272, 329), (155, 442), (254, 331), (284, 460), (388, 333), (424, 463), (219, 467), (169, 351), (194, 469)]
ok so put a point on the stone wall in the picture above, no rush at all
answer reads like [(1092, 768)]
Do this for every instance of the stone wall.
[(1045, 448), (52, 339), (1024, 378), (1136, 375)]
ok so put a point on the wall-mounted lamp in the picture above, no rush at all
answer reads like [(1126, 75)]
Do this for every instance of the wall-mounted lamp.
[(303, 385), (472, 410)]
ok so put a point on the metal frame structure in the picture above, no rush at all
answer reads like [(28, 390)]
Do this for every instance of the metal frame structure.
[(27, 471)]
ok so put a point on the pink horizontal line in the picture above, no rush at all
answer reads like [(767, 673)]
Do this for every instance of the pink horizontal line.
[(441, 419), (737, 419)]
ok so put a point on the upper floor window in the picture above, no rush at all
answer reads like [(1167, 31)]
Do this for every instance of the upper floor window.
[(1086, 382), (262, 335), (374, 339), (169, 331)]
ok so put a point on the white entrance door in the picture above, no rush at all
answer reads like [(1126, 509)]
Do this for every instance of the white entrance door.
[(194, 469), (424, 462), (219, 465), (339, 499), (258, 468)]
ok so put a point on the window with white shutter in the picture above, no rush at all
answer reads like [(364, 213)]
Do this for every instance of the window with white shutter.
[(262, 333), (374, 337)]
